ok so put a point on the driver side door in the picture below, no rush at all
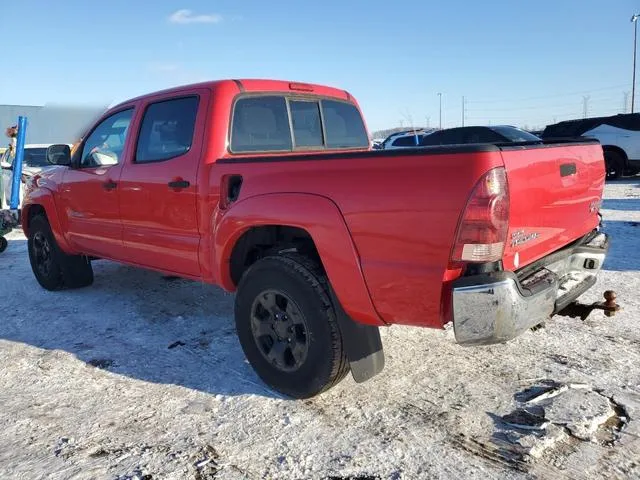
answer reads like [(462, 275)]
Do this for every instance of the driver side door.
[(89, 192)]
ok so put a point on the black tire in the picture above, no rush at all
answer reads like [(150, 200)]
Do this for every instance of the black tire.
[(54, 269), (299, 280), (3, 244), (614, 163)]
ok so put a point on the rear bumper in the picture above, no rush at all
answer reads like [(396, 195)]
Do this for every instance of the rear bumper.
[(496, 307)]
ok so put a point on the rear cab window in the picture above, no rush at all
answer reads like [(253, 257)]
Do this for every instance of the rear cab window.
[(281, 123)]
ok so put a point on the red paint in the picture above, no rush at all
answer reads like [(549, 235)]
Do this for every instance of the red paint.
[(384, 226)]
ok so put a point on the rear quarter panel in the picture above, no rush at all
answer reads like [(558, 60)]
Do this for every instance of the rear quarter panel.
[(401, 209)]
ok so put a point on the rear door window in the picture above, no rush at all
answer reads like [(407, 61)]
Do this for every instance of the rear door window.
[(167, 129), (343, 125), (306, 123), (260, 124)]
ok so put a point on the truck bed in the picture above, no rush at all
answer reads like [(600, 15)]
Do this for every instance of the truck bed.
[(402, 208)]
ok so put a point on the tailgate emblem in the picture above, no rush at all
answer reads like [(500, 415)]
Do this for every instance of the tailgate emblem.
[(520, 237)]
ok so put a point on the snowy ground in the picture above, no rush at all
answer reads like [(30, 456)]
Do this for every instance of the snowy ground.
[(141, 377)]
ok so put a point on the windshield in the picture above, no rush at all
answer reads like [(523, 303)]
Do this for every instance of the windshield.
[(33, 157), (515, 134)]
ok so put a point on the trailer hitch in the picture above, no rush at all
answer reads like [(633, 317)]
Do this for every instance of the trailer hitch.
[(609, 307)]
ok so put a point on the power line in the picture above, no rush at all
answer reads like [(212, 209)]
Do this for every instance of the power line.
[(540, 106), (550, 96)]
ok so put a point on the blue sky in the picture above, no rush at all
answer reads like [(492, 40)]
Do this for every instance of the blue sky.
[(522, 63)]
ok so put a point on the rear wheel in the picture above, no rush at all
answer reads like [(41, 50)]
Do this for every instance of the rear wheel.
[(3, 244), (614, 163), (287, 326), (54, 269)]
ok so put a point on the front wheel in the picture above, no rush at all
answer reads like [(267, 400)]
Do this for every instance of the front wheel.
[(287, 326), (54, 269), (3, 244)]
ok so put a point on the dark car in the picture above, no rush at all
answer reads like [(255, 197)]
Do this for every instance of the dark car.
[(493, 134)]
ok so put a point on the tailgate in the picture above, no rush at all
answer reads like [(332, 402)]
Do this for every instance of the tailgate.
[(555, 193)]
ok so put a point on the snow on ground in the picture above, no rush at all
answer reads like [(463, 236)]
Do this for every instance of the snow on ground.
[(142, 377)]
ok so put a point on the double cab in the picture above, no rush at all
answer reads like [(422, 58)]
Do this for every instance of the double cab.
[(270, 189)]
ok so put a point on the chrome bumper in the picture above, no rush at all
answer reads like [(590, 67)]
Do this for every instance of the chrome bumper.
[(496, 307)]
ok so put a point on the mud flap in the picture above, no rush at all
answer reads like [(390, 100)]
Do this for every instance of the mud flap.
[(362, 344)]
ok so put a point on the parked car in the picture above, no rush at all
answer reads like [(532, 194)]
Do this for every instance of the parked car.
[(619, 136), (406, 139), (324, 240), (35, 160), (473, 134)]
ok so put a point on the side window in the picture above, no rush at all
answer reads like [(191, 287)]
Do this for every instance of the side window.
[(406, 141), (343, 125), (167, 129), (260, 124), (104, 146), (307, 126)]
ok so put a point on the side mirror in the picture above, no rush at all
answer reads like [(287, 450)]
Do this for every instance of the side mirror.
[(59, 154)]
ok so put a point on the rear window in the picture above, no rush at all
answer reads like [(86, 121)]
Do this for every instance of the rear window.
[(277, 123), (260, 124), (515, 134), (344, 125), (306, 123)]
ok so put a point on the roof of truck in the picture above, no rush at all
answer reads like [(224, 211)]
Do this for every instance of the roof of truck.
[(256, 85)]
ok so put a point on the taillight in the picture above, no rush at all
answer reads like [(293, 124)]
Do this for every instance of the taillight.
[(482, 231)]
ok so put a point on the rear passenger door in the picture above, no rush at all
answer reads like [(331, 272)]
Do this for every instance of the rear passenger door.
[(159, 187)]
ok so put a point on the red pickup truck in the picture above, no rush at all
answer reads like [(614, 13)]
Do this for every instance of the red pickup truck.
[(270, 189)]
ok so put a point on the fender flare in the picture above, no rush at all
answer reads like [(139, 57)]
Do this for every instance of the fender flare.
[(44, 198), (322, 219)]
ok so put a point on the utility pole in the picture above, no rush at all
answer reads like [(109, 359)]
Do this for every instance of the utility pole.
[(427, 118), (625, 102), (463, 102), (585, 106), (440, 98), (634, 20)]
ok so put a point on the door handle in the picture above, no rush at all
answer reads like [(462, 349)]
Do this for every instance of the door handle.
[(179, 184), (109, 185)]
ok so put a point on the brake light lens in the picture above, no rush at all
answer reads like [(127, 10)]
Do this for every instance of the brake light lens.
[(482, 232), (302, 87)]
